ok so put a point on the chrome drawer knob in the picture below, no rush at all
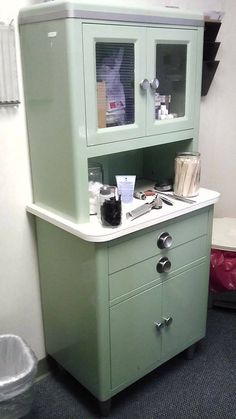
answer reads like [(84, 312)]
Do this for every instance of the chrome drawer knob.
[(154, 84), (159, 325), (164, 241), (167, 320), (163, 265), (144, 84)]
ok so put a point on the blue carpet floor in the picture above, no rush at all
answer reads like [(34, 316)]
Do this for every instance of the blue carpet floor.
[(202, 388)]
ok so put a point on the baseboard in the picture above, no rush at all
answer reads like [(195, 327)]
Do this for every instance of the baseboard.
[(45, 367)]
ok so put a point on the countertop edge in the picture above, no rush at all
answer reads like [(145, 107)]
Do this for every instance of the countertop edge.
[(79, 230)]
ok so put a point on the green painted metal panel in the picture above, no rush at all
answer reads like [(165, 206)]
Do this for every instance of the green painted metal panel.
[(53, 83), (142, 273), (198, 86), (74, 286), (135, 341), (143, 245), (158, 162), (140, 143), (185, 300)]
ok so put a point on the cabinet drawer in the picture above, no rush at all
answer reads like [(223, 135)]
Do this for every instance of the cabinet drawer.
[(142, 273), (124, 253)]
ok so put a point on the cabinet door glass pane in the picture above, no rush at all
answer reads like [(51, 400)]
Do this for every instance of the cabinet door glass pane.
[(171, 72), (115, 83)]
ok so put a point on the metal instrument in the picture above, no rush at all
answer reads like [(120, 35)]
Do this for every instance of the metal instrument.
[(144, 209), (178, 198)]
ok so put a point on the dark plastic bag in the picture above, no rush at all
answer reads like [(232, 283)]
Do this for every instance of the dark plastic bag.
[(222, 271)]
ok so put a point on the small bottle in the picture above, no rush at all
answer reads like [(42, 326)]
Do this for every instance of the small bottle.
[(187, 174)]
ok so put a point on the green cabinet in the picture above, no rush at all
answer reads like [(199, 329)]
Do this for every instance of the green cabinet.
[(121, 88)]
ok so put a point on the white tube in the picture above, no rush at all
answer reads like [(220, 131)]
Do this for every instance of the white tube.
[(125, 185)]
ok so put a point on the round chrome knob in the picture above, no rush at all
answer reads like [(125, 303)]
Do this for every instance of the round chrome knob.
[(144, 84), (154, 84), (167, 320), (163, 265), (164, 241)]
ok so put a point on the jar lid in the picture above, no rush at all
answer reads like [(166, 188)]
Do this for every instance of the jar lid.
[(188, 154), (106, 190), (94, 165)]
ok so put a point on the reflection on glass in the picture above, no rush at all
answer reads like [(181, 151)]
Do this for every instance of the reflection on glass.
[(171, 72), (115, 83)]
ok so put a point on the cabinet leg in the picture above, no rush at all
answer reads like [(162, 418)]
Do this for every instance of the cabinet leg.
[(191, 351), (104, 407)]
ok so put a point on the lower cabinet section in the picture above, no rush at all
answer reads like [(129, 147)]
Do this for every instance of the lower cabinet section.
[(110, 323), (157, 324)]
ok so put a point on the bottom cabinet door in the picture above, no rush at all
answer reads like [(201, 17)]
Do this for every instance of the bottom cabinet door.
[(185, 309), (135, 339)]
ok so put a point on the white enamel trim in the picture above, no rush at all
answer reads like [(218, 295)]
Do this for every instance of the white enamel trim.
[(94, 232), (110, 16)]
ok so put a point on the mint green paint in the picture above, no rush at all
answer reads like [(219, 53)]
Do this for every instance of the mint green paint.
[(74, 286), (135, 342), (53, 83), (142, 245), (185, 300), (135, 276)]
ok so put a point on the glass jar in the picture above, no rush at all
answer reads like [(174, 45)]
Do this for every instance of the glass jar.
[(95, 178), (95, 172), (187, 174), (109, 212)]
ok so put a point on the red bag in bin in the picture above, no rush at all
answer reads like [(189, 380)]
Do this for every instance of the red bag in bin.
[(222, 271)]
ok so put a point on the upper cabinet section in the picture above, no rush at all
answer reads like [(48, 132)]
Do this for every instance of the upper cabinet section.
[(130, 77), (138, 81)]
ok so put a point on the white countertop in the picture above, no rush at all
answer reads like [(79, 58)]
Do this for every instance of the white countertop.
[(224, 234), (93, 231)]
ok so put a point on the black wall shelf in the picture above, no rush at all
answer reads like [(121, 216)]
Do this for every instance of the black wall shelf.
[(210, 48)]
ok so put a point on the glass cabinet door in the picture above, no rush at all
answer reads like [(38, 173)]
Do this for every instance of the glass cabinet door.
[(113, 68), (171, 72)]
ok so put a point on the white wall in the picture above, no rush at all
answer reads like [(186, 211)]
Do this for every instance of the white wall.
[(218, 121), (20, 310)]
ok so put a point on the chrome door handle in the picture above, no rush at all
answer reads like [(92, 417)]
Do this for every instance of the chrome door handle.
[(159, 325), (167, 320), (144, 84), (154, 84)]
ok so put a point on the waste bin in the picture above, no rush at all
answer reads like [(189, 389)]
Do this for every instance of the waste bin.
[(18, 366)]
